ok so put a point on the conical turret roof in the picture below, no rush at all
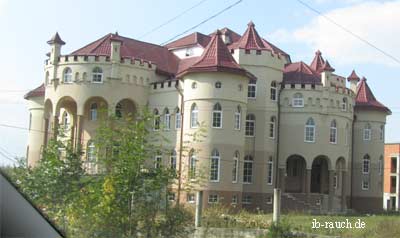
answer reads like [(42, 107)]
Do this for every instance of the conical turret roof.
[(365, 99), (251, 39), (353, 76), (56, 39), (318, 62)]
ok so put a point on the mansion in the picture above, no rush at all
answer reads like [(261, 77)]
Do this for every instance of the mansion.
[(270, 122)]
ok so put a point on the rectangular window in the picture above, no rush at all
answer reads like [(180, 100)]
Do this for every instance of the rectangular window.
[(250, 128), (192, 167), (157, 161), (173, 162), (190, 198), (252, 90), (167, 122), (272, 130), (214, 169), (212, 198), (309, 134), (237, 121), (270, 171), (234, 199), (178, 121), (194, 119), (332, 135), (157, 123), (365, 185), (247, 199), (248, 172), (382, 133), (235, 170), (171, 197), (269, 200), (335, 181), (367, 134), (217, 120), (366, 166)]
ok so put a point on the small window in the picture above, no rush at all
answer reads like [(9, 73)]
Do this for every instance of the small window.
[(189, 52), (167, 120), (380, 165), (269, 200), (333, 133), (97, 75), (309, 131), (270, 170), (172, 160), (298, 100), (157, 120), (366, 164), (382, 133), (258, 52), (235, 167), (344, 104), (248, 169), (238, 117), (335, 181), (218, 85), (367, 132), (365, 185), (157, 160), (194, 85), (190, 198), (273, 91), (194, 116), (178, 118), (217, 116), (214, 166), (247, 199), (234, 199), (272, 121), (212, 198), (118, 110), (250, 125), (67, 75), (240, 87), (171, 197), (247, 52), (192, 165), (93, 112), (252, 90)]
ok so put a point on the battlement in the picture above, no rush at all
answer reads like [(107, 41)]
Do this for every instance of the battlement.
[(259, 57), (105, 59), (165, 85), (319, 87)]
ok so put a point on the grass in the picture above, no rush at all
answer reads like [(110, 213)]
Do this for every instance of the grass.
[(376, 226)]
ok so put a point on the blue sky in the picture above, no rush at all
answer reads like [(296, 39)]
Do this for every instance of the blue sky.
[(27, 25)]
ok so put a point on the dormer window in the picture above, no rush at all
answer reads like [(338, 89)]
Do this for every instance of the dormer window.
[(218, 85), (97, 75), (189, 52)]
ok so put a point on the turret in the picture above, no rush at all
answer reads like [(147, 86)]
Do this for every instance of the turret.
[(326, 73), (56, 43), (115, 48), (353, 79)]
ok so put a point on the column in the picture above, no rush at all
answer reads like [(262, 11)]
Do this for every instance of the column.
[(343, 202), (46, 131), (331, 191), (308, 181), (282, 175), (55, 127), (78, 133)]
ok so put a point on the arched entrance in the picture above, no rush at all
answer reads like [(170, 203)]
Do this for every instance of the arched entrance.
[(295, 180), (125, 108), (320, 175)]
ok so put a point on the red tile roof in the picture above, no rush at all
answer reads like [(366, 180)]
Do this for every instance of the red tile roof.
[(37, 92), (56, 39), (193, 39), (318, 62), (327, 67), (250, 39), (300, 73), (353, 76), (273, 48), (226, 31), (166, 61), (216, 58), (365, 99)]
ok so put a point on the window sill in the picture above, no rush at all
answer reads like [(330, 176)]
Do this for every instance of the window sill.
[(309, 141)]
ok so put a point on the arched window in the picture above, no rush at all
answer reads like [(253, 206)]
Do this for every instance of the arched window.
[(344, 104), (93, 112), (252, 90), (156, 120), (167, 120), (97, 75), (270, 171), (214, 166), (67, 78), (91, 157), (118, 110), (272, 127), (367, 132), (309, 131), (218, 84), (298, 100), (238, 116), (194, 116), (66, 120), (382, 132), (77, 76), (172, 160), (248, 169), (366, 164), (333, 133), (380, 165), (235, 167), (158, 160), (346, 134), (217, 116), (273, 91), (178, 118), (192, 165), (250, 125)]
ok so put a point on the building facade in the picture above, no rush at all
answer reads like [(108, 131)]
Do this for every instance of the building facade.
[(391, 187), (270, 122)]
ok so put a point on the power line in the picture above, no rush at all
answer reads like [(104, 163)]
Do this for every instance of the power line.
[(202, 22), (172, 19), (348, 31)]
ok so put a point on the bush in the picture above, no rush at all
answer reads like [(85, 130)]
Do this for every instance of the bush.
[(280, 230)]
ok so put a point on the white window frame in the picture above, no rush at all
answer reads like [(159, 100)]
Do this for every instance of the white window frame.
[(213, 198), (171, 197), (382, 133), (247, 199), (272, 127), (215, 114), (363, 183), (234, 199), (190, 198), (235, 167), (297, 100), (237, 118), (309, 128), (67, 76), (344, 105), (91, 158), (178, 119), (253, 87), (333, 132), (157, 161), (172, 160), (335, 181), (215, 169), (192, 166), (93, 112), (367, 134), (269, 200), (157, 120), (97, 77), (366, 164), (167, 120), (270, 171), (247, 125), (194, 116), (273, 91), (248, 176)]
